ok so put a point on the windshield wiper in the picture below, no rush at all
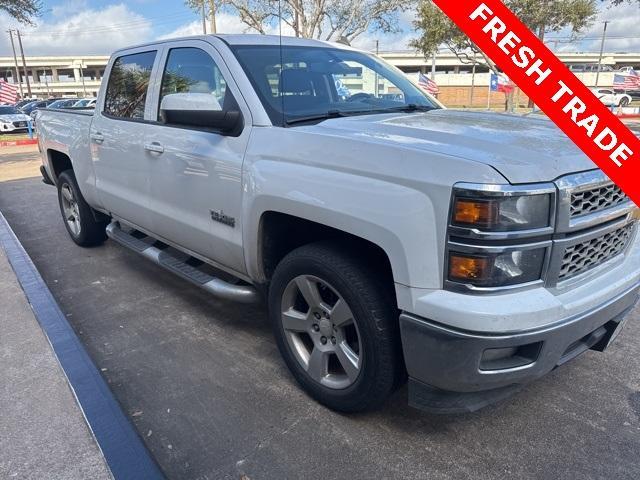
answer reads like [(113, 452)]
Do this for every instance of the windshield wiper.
[(409, 108), (317, 118)]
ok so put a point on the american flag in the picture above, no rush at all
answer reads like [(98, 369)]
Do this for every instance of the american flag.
[(428, 85), (8, 92), (630, 81)]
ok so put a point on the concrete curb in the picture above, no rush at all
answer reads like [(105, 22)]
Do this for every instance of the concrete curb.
[(124, 451), (19, 143)]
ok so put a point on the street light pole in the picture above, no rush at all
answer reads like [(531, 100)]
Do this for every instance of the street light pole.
[(24, 63), (15, 60), (604, 37), (204, 19)]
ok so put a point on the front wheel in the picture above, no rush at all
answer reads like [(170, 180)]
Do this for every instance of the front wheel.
[(79, 218), (336, 325), (624, 102)]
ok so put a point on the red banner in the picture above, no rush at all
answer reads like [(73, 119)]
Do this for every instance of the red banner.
[(549, 83)]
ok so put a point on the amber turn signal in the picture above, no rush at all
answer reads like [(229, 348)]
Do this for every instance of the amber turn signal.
[(468, 268), (474, 212)]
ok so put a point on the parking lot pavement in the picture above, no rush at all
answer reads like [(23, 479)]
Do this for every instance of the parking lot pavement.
[(42, 431), (208, 392), (19, 162)]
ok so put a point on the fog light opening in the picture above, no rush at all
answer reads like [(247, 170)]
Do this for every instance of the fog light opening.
[(510, 357)]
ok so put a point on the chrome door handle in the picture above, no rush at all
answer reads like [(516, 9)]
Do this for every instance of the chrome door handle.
[(97, 137), (154, 147)]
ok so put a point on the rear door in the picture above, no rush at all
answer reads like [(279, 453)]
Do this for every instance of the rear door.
[(196, 188), (122, 165)]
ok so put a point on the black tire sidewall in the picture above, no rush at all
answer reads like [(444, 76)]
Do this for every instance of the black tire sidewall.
[(357, 396), (91, 231)]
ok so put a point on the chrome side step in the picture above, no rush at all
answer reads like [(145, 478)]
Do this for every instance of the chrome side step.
[(213, 285)]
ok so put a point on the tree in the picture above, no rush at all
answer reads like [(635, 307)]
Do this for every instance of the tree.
[(21, 10), (323, 19), (210, 11), (541, 16)]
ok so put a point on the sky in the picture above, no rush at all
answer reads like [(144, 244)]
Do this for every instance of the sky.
[(68, 27)]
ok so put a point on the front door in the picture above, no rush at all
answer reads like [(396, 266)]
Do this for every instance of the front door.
[(196, 189)]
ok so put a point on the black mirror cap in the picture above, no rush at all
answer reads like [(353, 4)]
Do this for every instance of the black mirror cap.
[(229, 123)]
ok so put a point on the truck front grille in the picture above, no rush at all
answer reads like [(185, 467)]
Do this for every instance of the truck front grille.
[(597, 199), (584, 256)]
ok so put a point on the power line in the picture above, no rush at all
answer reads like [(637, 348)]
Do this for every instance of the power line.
[(107, 28)]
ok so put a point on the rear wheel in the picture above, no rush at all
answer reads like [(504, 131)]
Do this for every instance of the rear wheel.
[(624, 102), (79, 218), (336, 325)]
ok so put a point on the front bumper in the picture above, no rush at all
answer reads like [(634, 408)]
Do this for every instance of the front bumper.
[(455, 370), (10, 128)]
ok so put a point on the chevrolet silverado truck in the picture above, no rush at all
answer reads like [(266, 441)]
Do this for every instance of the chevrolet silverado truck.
[(392, 239)]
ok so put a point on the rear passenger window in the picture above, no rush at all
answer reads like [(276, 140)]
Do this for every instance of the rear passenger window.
[(128, 85), (191, 70)]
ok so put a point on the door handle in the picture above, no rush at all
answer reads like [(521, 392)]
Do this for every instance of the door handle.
[(97, 137), (154, 147)]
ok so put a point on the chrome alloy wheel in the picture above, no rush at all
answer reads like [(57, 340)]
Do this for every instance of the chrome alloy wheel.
[(321, 331), (71, 210)]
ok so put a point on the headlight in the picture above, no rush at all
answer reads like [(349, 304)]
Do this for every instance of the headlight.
[(489, 231), (490, 270), (493, 211)]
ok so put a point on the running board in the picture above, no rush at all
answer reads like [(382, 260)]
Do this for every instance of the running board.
[(213, 285)]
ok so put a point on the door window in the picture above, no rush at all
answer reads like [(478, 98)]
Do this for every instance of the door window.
[(191, 70), (128, 86)]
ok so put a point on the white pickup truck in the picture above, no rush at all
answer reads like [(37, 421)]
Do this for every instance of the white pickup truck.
[(469, 252)]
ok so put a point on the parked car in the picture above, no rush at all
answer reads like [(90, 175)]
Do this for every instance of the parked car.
[(30, 107), (13, 120), (612, 98), (63, 103), (23, 102), (85, 103), (471, 252)]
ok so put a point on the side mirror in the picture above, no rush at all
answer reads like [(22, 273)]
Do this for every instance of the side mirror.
[(200, 110)]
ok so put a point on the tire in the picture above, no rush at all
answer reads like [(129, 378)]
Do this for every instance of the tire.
[(331, 374), (624, 102), (79, 218)]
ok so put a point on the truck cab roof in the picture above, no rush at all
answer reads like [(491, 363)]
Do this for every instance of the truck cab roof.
[(248, 39)]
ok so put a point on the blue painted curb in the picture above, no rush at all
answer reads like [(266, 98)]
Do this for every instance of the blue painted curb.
[(125, 453)]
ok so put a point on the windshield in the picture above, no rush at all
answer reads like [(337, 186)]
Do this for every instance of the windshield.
[(308, 82), (8, 111)]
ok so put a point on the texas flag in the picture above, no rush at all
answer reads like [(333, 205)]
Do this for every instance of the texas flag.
[(501, 83)]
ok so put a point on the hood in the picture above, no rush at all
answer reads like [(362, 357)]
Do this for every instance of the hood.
[(16, 117), (523, 149)]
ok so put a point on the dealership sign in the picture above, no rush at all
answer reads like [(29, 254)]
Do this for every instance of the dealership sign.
[(550, 84)]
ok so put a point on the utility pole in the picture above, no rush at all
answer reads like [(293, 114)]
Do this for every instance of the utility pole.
[(204, 19), (376, 78), (15, 60), (604, 37), (24, 63), (84, 88), (212, 13), (433, 67)]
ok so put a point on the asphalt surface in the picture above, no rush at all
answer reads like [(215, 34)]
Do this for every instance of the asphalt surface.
[(207, 390)]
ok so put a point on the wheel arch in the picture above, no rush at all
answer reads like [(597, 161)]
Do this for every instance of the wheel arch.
[(58, 162)]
